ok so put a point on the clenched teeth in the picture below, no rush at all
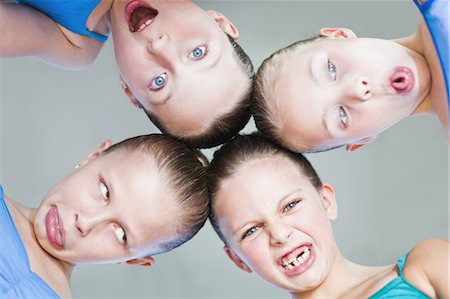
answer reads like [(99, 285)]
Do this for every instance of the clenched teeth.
[(293, 261)]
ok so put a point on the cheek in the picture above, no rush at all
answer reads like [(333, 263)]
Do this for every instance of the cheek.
[(256, 253)]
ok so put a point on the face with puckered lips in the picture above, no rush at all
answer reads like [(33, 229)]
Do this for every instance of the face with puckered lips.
[(277, 224), (174, 58)]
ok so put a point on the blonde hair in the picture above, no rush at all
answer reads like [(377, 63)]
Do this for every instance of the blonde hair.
[(266, 79)]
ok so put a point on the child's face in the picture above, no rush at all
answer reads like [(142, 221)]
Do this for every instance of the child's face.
[(347, 90), (271, 214), (113, 209), (181, 67)]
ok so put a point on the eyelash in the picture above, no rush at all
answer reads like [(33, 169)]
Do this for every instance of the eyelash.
[(106, 190), (158, 87), (205, 52), (250, 231), (343, 116), (122, 239), (290, 205), (331, 67)]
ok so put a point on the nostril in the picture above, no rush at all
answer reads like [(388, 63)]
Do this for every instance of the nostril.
[(364, 82)]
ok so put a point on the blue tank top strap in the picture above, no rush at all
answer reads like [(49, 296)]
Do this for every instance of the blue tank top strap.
[(436, 14), (401, 264), (71, 14)]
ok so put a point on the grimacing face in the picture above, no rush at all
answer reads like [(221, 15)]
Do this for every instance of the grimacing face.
[(346, 90), (114, 208), (181, 66), (277, 224)]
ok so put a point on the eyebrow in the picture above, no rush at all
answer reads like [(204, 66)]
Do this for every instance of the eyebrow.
[(312, 70), (283, 198)]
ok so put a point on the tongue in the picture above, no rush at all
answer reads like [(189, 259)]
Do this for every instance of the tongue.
[(140, 15)]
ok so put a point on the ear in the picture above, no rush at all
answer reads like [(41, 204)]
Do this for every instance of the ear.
[(353, 147), (144, 262), (128, 93), (224, 24), (329, 201), (94, 154), (236, 260), (337, 33)]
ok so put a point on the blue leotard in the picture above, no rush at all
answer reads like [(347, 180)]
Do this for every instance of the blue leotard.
[(399, 288), (72, 14), (436, 14), (16, 278)]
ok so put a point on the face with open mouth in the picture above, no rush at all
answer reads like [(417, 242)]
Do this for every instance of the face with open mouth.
[(173, 58), (346, 90), (108, 210), (277, 224)]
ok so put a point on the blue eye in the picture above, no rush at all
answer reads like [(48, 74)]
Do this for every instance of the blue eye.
[(331, 70), (343, 116), (198, 53), (290, 206), (158, 82), (251, 231)]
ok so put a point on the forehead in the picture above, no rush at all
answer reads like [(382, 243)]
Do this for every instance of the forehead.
[(141, 194), (260, 179), (200, 97), (299, 101)]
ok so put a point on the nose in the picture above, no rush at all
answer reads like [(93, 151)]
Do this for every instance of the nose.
[(361, 89), (160, 46), (85, 222), (280, 233)]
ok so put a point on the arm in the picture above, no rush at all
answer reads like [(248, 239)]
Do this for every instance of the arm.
[(428, 266), (28, 32)]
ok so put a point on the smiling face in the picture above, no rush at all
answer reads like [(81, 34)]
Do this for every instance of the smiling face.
[(174, 58), (277, 224), (346, 90), (112, 209)]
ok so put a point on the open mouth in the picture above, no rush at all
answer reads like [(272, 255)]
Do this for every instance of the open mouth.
[(299, 259), (139, 15), (402, 80)]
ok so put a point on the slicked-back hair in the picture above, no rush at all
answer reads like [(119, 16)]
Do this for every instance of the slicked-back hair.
[(228, 124), (242, 149), (186, 170), (265, 79)]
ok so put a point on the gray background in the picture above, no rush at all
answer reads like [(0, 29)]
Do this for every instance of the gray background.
[(392, 194)]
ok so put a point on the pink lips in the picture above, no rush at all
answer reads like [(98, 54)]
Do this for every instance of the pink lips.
[(402, 80), (55, 228)]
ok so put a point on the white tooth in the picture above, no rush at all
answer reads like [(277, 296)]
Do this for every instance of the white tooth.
[(142, 27), (289, 267), (300, 259), (296, 263), (306, 254), (148, 21)]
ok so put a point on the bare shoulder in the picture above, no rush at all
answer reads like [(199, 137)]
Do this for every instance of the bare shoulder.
[(427, 267)]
